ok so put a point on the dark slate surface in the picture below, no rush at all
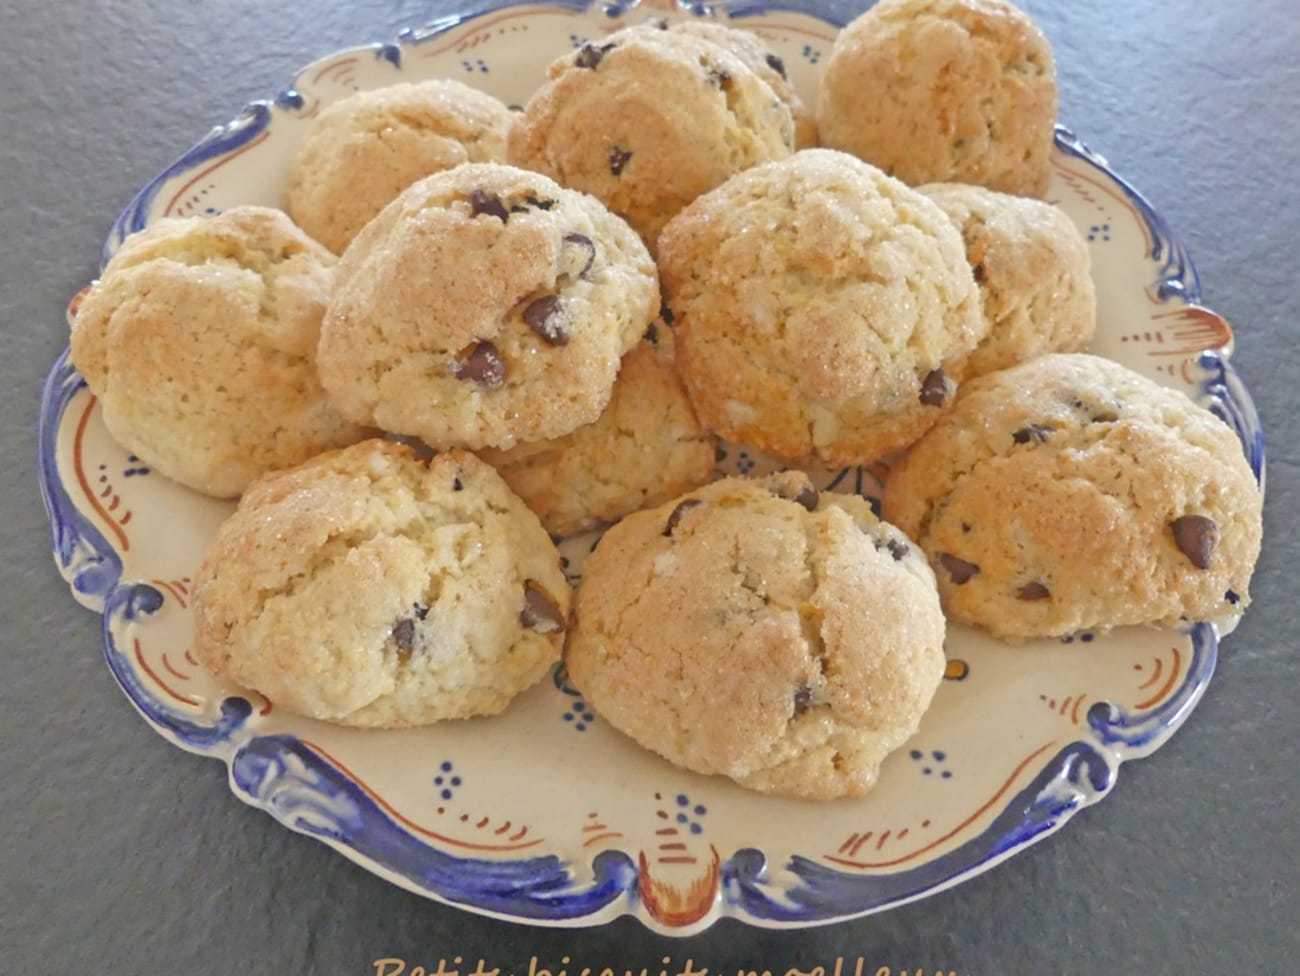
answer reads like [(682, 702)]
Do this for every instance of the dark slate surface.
[(122, 855)]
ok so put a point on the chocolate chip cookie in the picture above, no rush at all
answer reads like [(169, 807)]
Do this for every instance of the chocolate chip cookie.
[(485, 305), (646, 448), (1071, 493), (759, 630), (370, 588), (647, 120), (364, 150), (1033, 270), (944, 90), (199, 340), (824, 310)]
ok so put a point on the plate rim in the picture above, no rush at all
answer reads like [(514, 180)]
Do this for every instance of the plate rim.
[(93, 569)]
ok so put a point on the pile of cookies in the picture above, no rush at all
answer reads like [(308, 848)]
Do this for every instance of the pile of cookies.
[(473, 331)]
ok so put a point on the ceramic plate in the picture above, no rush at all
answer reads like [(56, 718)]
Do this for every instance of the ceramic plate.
[(544, 814)]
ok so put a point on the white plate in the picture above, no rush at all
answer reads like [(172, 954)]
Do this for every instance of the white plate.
[(544, 814)]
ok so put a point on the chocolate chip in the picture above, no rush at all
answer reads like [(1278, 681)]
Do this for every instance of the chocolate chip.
[(980, 275), (1033, 591), (805, 495), (959, 571), (421, 611), (539, 203), (404, 634), (456, 485), (618, 157), (1034, 432), (590, 56), (666, 314), (545, 316), (483, 365), (586, 251), (652, 334), (1232, 597), (540, 612), (803, 699), (675, 517), (1195, 536), (934, 388), (808, 497), (965, 527), (898, 549), (482, 203), (777, 65), (720, 78)]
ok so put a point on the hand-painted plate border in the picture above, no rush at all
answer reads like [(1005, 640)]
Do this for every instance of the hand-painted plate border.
[(543, 814)]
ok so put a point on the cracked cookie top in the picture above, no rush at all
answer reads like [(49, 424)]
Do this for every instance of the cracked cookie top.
[(199, 339), (823, 309), (1071, 493), (370, 588), (647, 119), (759, 630), (363, 150), (1033, 270), (944, 90), (646, 448), (485, 305)]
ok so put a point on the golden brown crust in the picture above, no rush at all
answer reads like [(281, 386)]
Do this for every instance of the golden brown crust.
[(1061, 481), (944, 90), (813, 299), (364, 150), (756, 631), (481, 265), (369, 588), (647, 120), (200, 342)]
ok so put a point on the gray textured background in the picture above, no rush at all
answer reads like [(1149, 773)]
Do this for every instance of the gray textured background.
[(122, 855)]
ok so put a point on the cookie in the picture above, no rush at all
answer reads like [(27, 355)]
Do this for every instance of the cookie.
[(647, 120), (364, 150), (1033, 270), (370, 588), (485, 305), (823, 309), (1071, 493), (646, 448), (757, 630), (199, 339), (944, 91), (761, 60)]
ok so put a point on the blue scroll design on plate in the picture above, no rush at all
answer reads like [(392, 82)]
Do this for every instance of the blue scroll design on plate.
[(1076, 776), (84, 556), (297, 786), (224, 139)]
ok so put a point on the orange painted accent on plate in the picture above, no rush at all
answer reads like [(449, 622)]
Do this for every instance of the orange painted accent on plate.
[(1168, 686), (330, 68), (609, 835), (1160, 666), (84, 482), (1108, 191), (853, 851), (153, 676), (170, 588), (168, 665), (406, 821), (672, 847), (463, 43), (503, 828), (956, 830), (1065, 705), (215, 166), (190, 657), (1074, 713), (679, 859), (672, 905), (883, 837)]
